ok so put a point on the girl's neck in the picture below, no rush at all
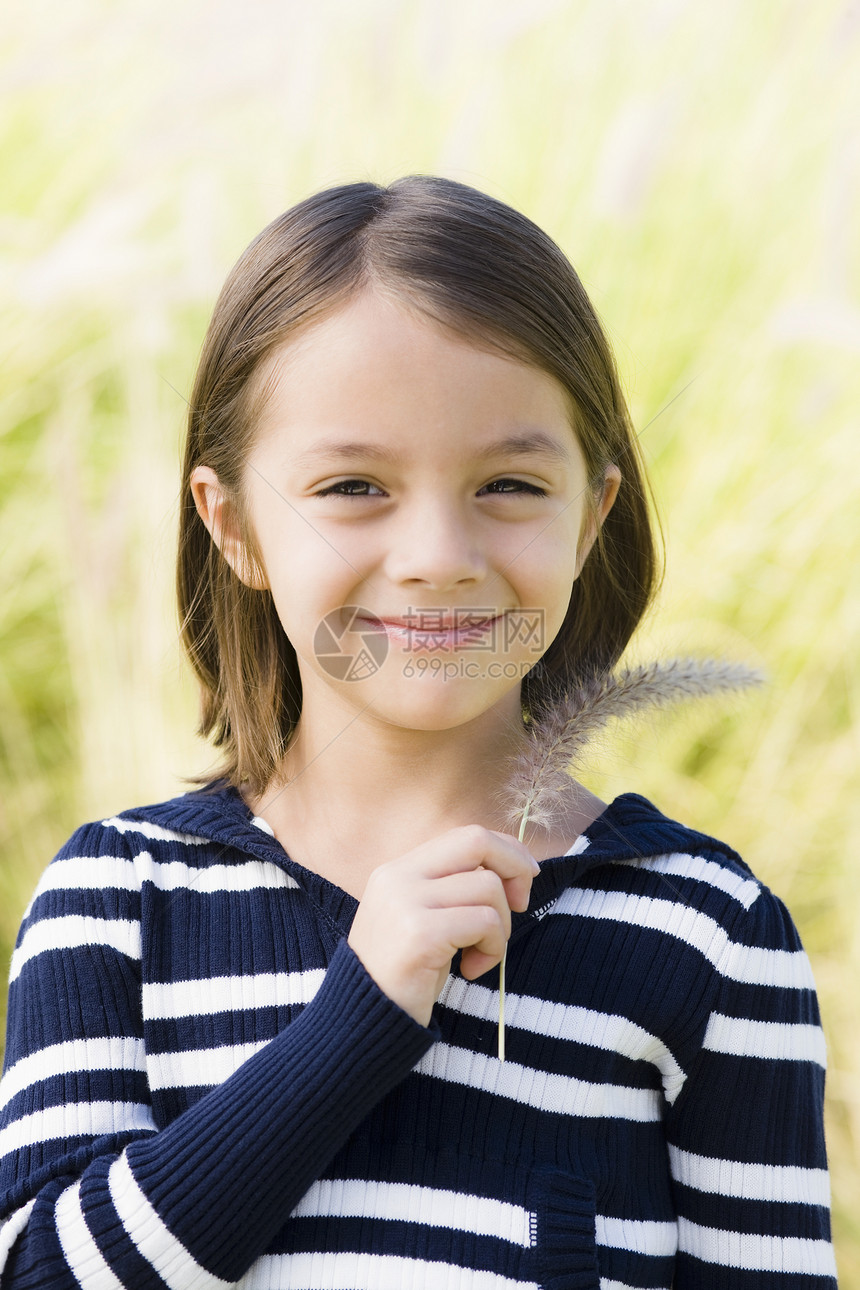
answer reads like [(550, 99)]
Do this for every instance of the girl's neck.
[(372, 774), (357, 795)]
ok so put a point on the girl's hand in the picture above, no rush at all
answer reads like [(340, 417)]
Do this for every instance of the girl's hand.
[(454, 892)]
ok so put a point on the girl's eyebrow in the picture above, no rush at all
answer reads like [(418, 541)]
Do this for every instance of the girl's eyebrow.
[(527, 444), (533, 444)]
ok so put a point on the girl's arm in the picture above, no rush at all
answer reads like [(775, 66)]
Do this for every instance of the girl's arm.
[(97, 1195), (746, 1136)]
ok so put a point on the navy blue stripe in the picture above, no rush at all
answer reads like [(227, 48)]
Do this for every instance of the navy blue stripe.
[(800, 1007), (228, 932), (86, 902), (639, 1269), (543, 1052), (735, 1215), (404, 1240), (597, 967), (735, 1122), (80, 1086), (213, 1030)]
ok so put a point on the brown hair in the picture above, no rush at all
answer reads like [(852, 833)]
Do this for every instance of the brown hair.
[(479, 268)]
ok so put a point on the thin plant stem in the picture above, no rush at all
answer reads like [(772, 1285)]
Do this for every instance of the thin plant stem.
[(523, 823)]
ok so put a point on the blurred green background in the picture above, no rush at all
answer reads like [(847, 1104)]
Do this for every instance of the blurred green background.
[(699, 162)]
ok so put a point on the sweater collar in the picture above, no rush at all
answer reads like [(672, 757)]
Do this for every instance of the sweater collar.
[(630, 828)]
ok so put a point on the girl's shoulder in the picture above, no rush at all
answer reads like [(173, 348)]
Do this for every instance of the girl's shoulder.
[(635, 865), (92, 892), (632, 832), (159, 842), (631, 823), (191, 819)]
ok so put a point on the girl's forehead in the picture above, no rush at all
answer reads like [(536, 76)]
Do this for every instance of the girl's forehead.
[(375, 321), (379, 363)]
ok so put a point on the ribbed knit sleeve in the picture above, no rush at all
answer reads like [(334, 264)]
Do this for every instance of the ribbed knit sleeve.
[(746, 1135), (97, 1196)]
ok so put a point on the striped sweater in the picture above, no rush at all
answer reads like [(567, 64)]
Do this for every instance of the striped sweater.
[(204, 1088)]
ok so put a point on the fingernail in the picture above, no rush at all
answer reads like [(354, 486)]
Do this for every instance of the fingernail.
[(535, 866)]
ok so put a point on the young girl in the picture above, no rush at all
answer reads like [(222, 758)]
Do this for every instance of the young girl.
[(253, 1030)]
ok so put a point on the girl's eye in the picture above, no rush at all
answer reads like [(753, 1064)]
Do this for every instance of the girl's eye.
[(349, 488), (502, 486), (363, 488)]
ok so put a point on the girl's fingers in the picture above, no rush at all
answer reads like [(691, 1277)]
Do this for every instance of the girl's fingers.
[(455, 892), (471, 847), (475, 963), (518, 891), (477, 930), (476, 887), (473, 898)]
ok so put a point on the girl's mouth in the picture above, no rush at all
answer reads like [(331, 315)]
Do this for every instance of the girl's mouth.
[(431, 630)]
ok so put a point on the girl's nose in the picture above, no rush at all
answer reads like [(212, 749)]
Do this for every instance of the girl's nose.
[(434, 545)]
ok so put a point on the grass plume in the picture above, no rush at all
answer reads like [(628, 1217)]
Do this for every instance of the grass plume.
[(540, 787)]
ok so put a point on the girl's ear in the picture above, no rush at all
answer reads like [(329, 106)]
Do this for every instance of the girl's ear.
[(217, 514), (596, 514)]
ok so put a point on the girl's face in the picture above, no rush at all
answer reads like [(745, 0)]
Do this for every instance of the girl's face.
[(437, 487)]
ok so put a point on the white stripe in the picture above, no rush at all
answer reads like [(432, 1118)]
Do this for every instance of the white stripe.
[(559, 1094), (744, 890), (214, 994), (604, 1030), (773, 1040), (641, 1236), (115, 1053), (199, 1067), (787, 969), (606, 1284), (172, 875), (171, 1260), (95, 873), (74, 931), (429, 1206), (98, 873), (11, 1228), (756, 1253), (153, 831), (85, 1259), (75, 1120), (787, 1183), (348, 1270)]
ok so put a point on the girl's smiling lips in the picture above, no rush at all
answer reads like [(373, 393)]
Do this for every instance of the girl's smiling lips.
[(431, 629)]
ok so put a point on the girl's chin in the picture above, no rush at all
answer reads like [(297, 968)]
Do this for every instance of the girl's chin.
[(439, 705)]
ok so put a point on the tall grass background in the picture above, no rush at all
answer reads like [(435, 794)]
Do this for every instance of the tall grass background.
[(700, 163)]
